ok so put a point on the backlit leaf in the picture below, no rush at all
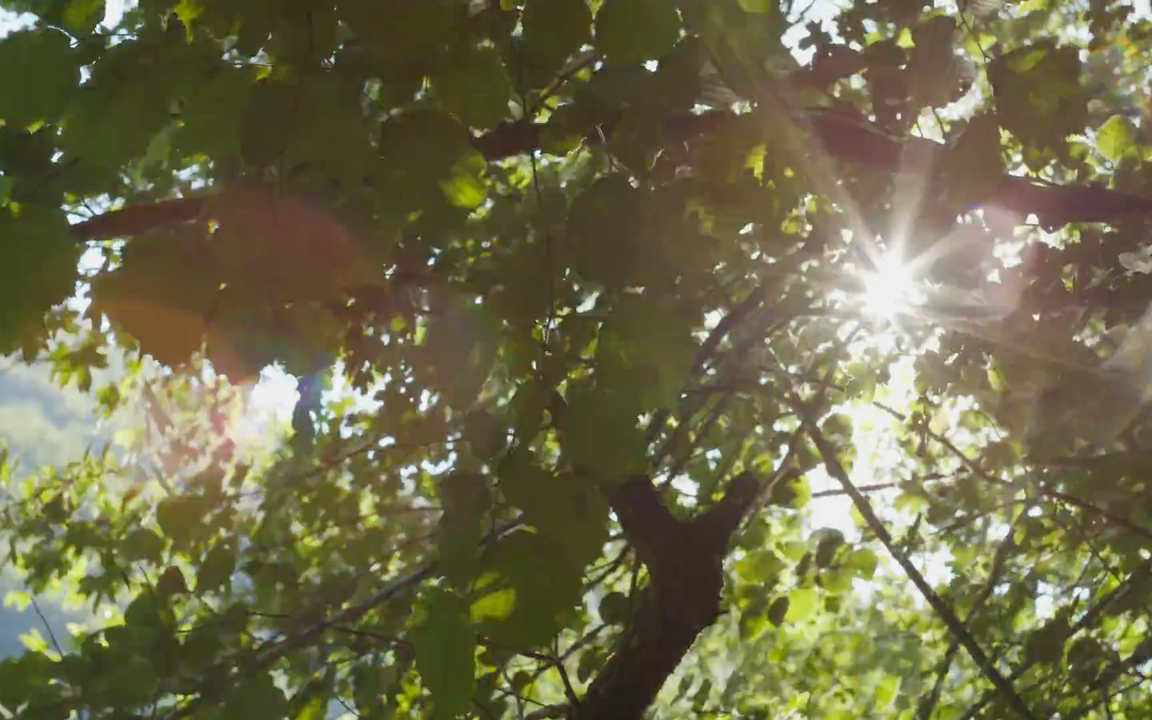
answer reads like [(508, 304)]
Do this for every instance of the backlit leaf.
[(1115, 137), (801, 603)]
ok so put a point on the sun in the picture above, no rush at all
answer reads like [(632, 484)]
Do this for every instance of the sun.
[(889, 289)]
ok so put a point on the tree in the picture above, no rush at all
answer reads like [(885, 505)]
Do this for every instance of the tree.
[(617, 284)]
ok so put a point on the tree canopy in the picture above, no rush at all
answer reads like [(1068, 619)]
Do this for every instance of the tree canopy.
[(693, 358)]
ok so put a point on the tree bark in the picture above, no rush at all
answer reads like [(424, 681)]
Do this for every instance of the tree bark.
[(684, 559)]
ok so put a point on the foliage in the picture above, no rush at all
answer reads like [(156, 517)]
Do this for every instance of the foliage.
[(597, 280)]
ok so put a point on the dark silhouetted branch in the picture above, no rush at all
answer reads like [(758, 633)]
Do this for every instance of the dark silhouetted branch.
[(684, 560), (844, 138)]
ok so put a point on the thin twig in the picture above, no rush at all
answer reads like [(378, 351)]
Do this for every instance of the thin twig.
[(553, 661), (999, 559), (942, 610), (269, 653), (565, 75), (47, 628), (1086, 621)]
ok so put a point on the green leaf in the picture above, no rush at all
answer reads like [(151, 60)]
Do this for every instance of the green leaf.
[(678, 77), (838, 426), (801, 603), (864, 562), (600, 433), (589, 663), (835, 580), (464, 186), (565, 508), (973, 168), (493, 606), (161, 294), (465, 499), (757, 6), (778, 610), (267, 125), (445, 645), (475, 88), (646, 348), (603, 224), (217, 568), (181, 517), (629, 31), (213, 114), (637, 137), (256, 698), (243, 341), (143, 544), (330, 134), (547, 586), (314, 709), (1115, 137), (38, 73), (761, 567), (1046, 645), (554, 29), (171, 582), (485, 434), (39, 256), (830, 541), (933, 63), (83, 15), (188, 10), (1039, 97), (460, 349), (1087, 657), (421, 147), (110, 124), (615, 608)]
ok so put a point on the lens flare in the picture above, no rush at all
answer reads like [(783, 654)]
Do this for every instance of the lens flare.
[(890, 288)]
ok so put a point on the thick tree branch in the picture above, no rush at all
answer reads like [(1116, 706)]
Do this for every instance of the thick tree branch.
[(852, 139), (844, 138), (138, 219), (684, 560)]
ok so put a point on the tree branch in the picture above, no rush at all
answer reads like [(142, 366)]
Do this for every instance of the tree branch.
[(684, 560), (266, 655), (999, 560), (137, 220), (844, 138), (942, 610), (1086, 621)]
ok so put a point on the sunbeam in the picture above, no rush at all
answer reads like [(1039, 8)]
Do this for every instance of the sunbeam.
[(890, 288)]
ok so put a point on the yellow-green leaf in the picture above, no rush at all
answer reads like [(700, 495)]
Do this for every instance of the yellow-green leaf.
[(1115, 137)]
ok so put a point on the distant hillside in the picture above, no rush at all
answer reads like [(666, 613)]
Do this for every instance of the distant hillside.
[(42, 424)]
